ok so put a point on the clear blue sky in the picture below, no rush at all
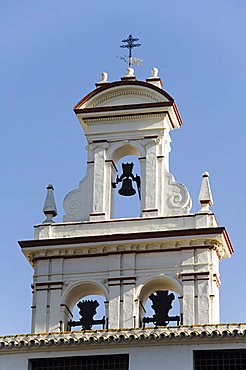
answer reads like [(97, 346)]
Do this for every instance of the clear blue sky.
[(52, 53)]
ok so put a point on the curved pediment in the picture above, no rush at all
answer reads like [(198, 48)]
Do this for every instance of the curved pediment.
[(123, 93)]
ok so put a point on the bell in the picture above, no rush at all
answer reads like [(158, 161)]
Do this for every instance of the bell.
[(127, 188)]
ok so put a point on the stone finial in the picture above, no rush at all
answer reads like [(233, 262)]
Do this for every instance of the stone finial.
[(104, 79), (154, 79), (129, 74), (49, 208), (205, 196), (154, 72)]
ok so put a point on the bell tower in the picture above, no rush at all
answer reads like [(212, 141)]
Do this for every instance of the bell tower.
[(122, 118), (165, 254)]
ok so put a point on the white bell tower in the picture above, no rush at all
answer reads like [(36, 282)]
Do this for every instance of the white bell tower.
[(122, 118), (127, 260)]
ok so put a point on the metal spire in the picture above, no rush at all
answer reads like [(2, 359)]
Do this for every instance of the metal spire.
[(130, 44)]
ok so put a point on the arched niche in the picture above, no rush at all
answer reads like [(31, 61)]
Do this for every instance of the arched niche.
[(126, 152), (124, 148), (151, 285), (77, 292)]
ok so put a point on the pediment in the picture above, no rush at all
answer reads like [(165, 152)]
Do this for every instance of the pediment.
[(122, 94)]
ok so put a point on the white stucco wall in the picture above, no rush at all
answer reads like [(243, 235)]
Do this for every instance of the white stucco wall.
[(142, 356)]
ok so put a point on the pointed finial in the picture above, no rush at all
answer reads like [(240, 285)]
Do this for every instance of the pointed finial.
[(205, 196), (49, 208)]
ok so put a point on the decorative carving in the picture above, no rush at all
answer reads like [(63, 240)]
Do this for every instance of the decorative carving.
[(178, 200), (123, 93), (124, 117), (76, 203)]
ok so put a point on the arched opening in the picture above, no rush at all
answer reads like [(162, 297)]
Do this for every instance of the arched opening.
[(83, 300), (94, 305), (128, 182), (126, 206), (159, 294)]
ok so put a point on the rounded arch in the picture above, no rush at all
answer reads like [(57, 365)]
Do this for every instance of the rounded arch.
[(120, 150), (160, 282), (81, 289)]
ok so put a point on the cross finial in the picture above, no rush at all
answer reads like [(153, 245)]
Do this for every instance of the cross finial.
[(130, 44)]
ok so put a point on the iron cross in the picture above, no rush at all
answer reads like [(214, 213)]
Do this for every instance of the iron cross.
[(130, 45)]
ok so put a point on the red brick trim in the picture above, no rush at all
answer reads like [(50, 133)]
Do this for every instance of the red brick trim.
[(123, 83)]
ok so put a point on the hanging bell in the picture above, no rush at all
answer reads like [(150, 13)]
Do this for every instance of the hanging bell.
[(127, 189)]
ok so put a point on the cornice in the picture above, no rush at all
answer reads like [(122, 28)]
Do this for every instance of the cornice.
[(153, 336)]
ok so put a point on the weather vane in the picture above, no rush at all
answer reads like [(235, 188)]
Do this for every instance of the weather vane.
[(130, 43)]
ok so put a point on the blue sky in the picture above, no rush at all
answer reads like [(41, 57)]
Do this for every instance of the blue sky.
[(52, 53)]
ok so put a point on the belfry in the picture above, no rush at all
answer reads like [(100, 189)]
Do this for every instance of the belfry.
[(167, 255), (127, 260)]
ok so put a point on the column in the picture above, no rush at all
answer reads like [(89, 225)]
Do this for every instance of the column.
[(114, 291), (99, 182), (149, 202)]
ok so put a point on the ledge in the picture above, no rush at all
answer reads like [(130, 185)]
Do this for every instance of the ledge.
[(171, 335)]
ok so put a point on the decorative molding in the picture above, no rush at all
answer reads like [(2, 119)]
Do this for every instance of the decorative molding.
[(179, 201), (120, 93), (124, 117)]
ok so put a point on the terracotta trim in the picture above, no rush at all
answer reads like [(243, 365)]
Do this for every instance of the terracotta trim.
[(151, 137), (114, 284), (216, 279), (97, 214), (49, 283), (122, 83), (194, 279), (99, 141), (195, 273), (114, 108), (128, 78), (128, 237), (153, 79), (122, 278), (188, 280)]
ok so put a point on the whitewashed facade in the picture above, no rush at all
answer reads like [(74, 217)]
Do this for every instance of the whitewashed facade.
[(125, 260)]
